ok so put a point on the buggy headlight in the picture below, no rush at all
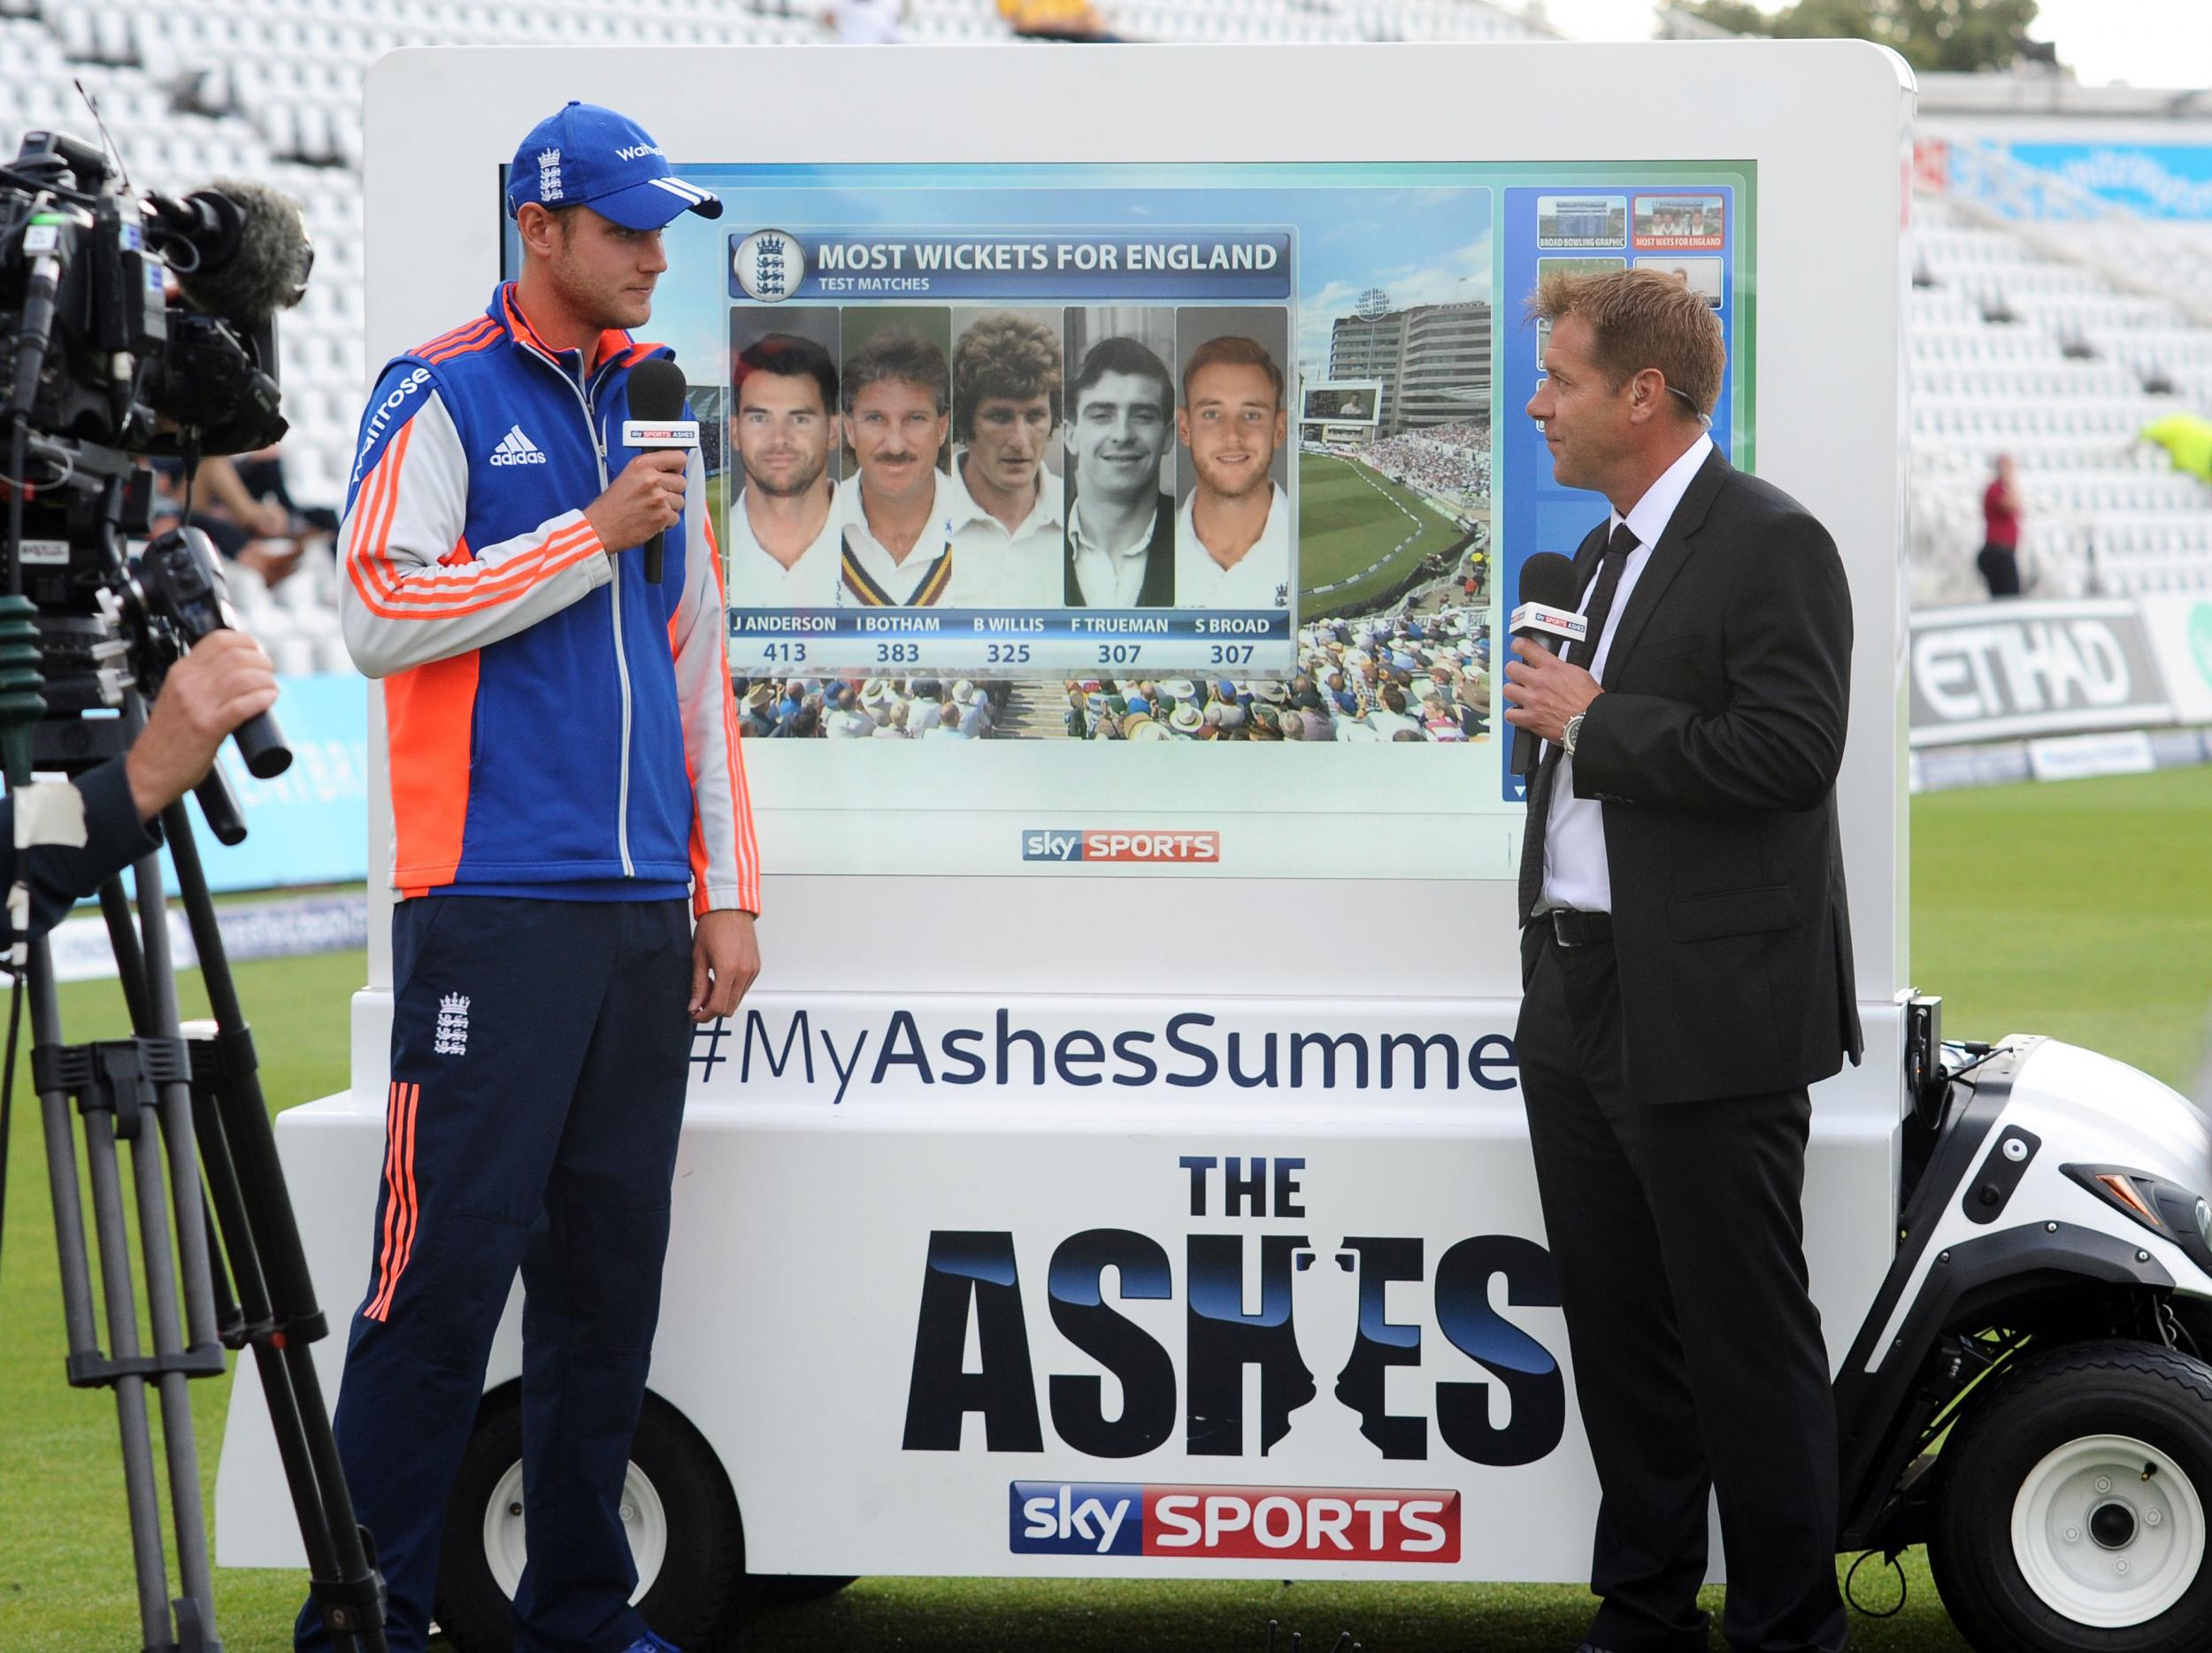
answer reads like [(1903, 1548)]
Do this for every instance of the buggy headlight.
[(2166, 1208)]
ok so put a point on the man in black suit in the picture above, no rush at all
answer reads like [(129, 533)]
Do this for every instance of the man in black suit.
[(1686, 973), (1120, 522)]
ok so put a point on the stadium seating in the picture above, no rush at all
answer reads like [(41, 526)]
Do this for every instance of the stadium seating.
[(2014, 352)]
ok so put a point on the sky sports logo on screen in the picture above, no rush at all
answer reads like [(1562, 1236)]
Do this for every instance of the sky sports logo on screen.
[(1041, 843), (1233, 1523)]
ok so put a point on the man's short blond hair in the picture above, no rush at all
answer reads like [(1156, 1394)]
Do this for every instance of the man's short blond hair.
[(1639, 320)]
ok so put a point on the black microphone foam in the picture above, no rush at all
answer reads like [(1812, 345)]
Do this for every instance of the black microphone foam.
[(1550, 579), (657, 390), (254, 253), (657, 398)]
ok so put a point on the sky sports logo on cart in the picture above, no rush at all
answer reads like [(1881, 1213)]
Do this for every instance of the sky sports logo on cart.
[(1040, 843), (1233, 1523)]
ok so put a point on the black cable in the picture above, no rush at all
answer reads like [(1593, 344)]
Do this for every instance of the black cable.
[(1904, 1586)]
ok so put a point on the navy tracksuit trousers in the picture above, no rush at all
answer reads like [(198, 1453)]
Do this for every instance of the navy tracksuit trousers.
[(540, 1054)]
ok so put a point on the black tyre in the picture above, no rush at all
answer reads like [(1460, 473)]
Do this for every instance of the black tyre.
[(677, 1505), (2072, 1515)]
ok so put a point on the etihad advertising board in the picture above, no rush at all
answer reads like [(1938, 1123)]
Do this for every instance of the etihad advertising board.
[(1119, 1167)]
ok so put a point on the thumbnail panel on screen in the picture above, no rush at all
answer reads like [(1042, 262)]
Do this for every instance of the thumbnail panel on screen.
[(1342, 402)]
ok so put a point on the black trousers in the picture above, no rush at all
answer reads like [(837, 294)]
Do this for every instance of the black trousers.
[(1698, 1359)]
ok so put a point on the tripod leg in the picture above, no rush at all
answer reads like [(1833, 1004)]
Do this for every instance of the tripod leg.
[(186, 1273), (116, 1284), (269, 1264)]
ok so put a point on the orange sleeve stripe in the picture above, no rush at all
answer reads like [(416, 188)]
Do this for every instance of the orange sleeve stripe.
[(369, 505), (507, 583), (740, 796), (466, 347), (740, 801), (463, 590), (450, 335), (441, 583), (426, 589)]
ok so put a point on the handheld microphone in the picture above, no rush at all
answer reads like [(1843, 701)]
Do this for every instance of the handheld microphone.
[(656, 424), (1547, 612)]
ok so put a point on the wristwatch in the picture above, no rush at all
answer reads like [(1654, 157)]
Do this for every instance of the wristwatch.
[(1572, 732)]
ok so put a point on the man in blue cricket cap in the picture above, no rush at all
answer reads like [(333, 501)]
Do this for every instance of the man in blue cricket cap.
[(576, 873)]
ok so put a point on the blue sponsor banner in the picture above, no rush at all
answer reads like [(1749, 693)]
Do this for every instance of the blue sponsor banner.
[(309, 825), (2171, 181), (773, 266)]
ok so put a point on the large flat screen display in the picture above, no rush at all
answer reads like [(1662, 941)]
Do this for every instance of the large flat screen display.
[(1156, 456)]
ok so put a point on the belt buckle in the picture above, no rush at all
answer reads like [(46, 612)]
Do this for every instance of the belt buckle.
[(1557, 920)]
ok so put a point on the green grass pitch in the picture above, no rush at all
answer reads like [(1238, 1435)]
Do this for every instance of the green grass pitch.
[(1349, 520), (2078, 910)]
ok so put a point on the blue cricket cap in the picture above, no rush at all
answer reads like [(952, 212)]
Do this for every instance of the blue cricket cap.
[(607, 162)]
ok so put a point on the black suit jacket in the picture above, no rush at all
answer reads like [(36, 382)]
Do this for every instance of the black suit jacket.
[(1714, 750), (1158, 590)]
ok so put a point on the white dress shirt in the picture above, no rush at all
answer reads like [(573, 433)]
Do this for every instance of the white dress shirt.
[(1260, 578), (1016, 570), (758, 581), (1575, 873)]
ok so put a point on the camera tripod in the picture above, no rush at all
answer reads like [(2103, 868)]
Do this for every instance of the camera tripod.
[(223, 1267), (236, 1271)]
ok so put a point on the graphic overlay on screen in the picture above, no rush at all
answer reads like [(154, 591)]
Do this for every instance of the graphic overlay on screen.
[(1687, 231), (963, 491), (995, 512), (1043, 452)]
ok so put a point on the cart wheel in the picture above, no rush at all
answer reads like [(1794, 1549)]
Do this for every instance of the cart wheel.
[(676, 1506), (2073, 1513)]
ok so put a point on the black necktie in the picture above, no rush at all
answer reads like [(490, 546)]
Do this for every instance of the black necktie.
[(1598, 610)]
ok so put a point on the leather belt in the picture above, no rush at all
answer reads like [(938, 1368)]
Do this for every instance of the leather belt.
[(1571, 928)]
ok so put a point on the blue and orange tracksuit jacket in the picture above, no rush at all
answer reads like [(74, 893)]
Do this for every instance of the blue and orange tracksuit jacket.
[(556, 725)]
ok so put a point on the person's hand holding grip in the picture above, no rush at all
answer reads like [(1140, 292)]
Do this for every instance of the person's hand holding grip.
[(223, 681), (641, 502)]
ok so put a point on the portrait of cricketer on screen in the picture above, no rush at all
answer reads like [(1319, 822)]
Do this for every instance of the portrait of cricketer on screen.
[(573, 856), (1232, 536), (784, 532), (1686, 972), (1007, 369)]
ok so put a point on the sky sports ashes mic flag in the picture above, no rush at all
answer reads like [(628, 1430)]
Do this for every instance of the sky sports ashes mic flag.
[(1546, 615), (656, 425)]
